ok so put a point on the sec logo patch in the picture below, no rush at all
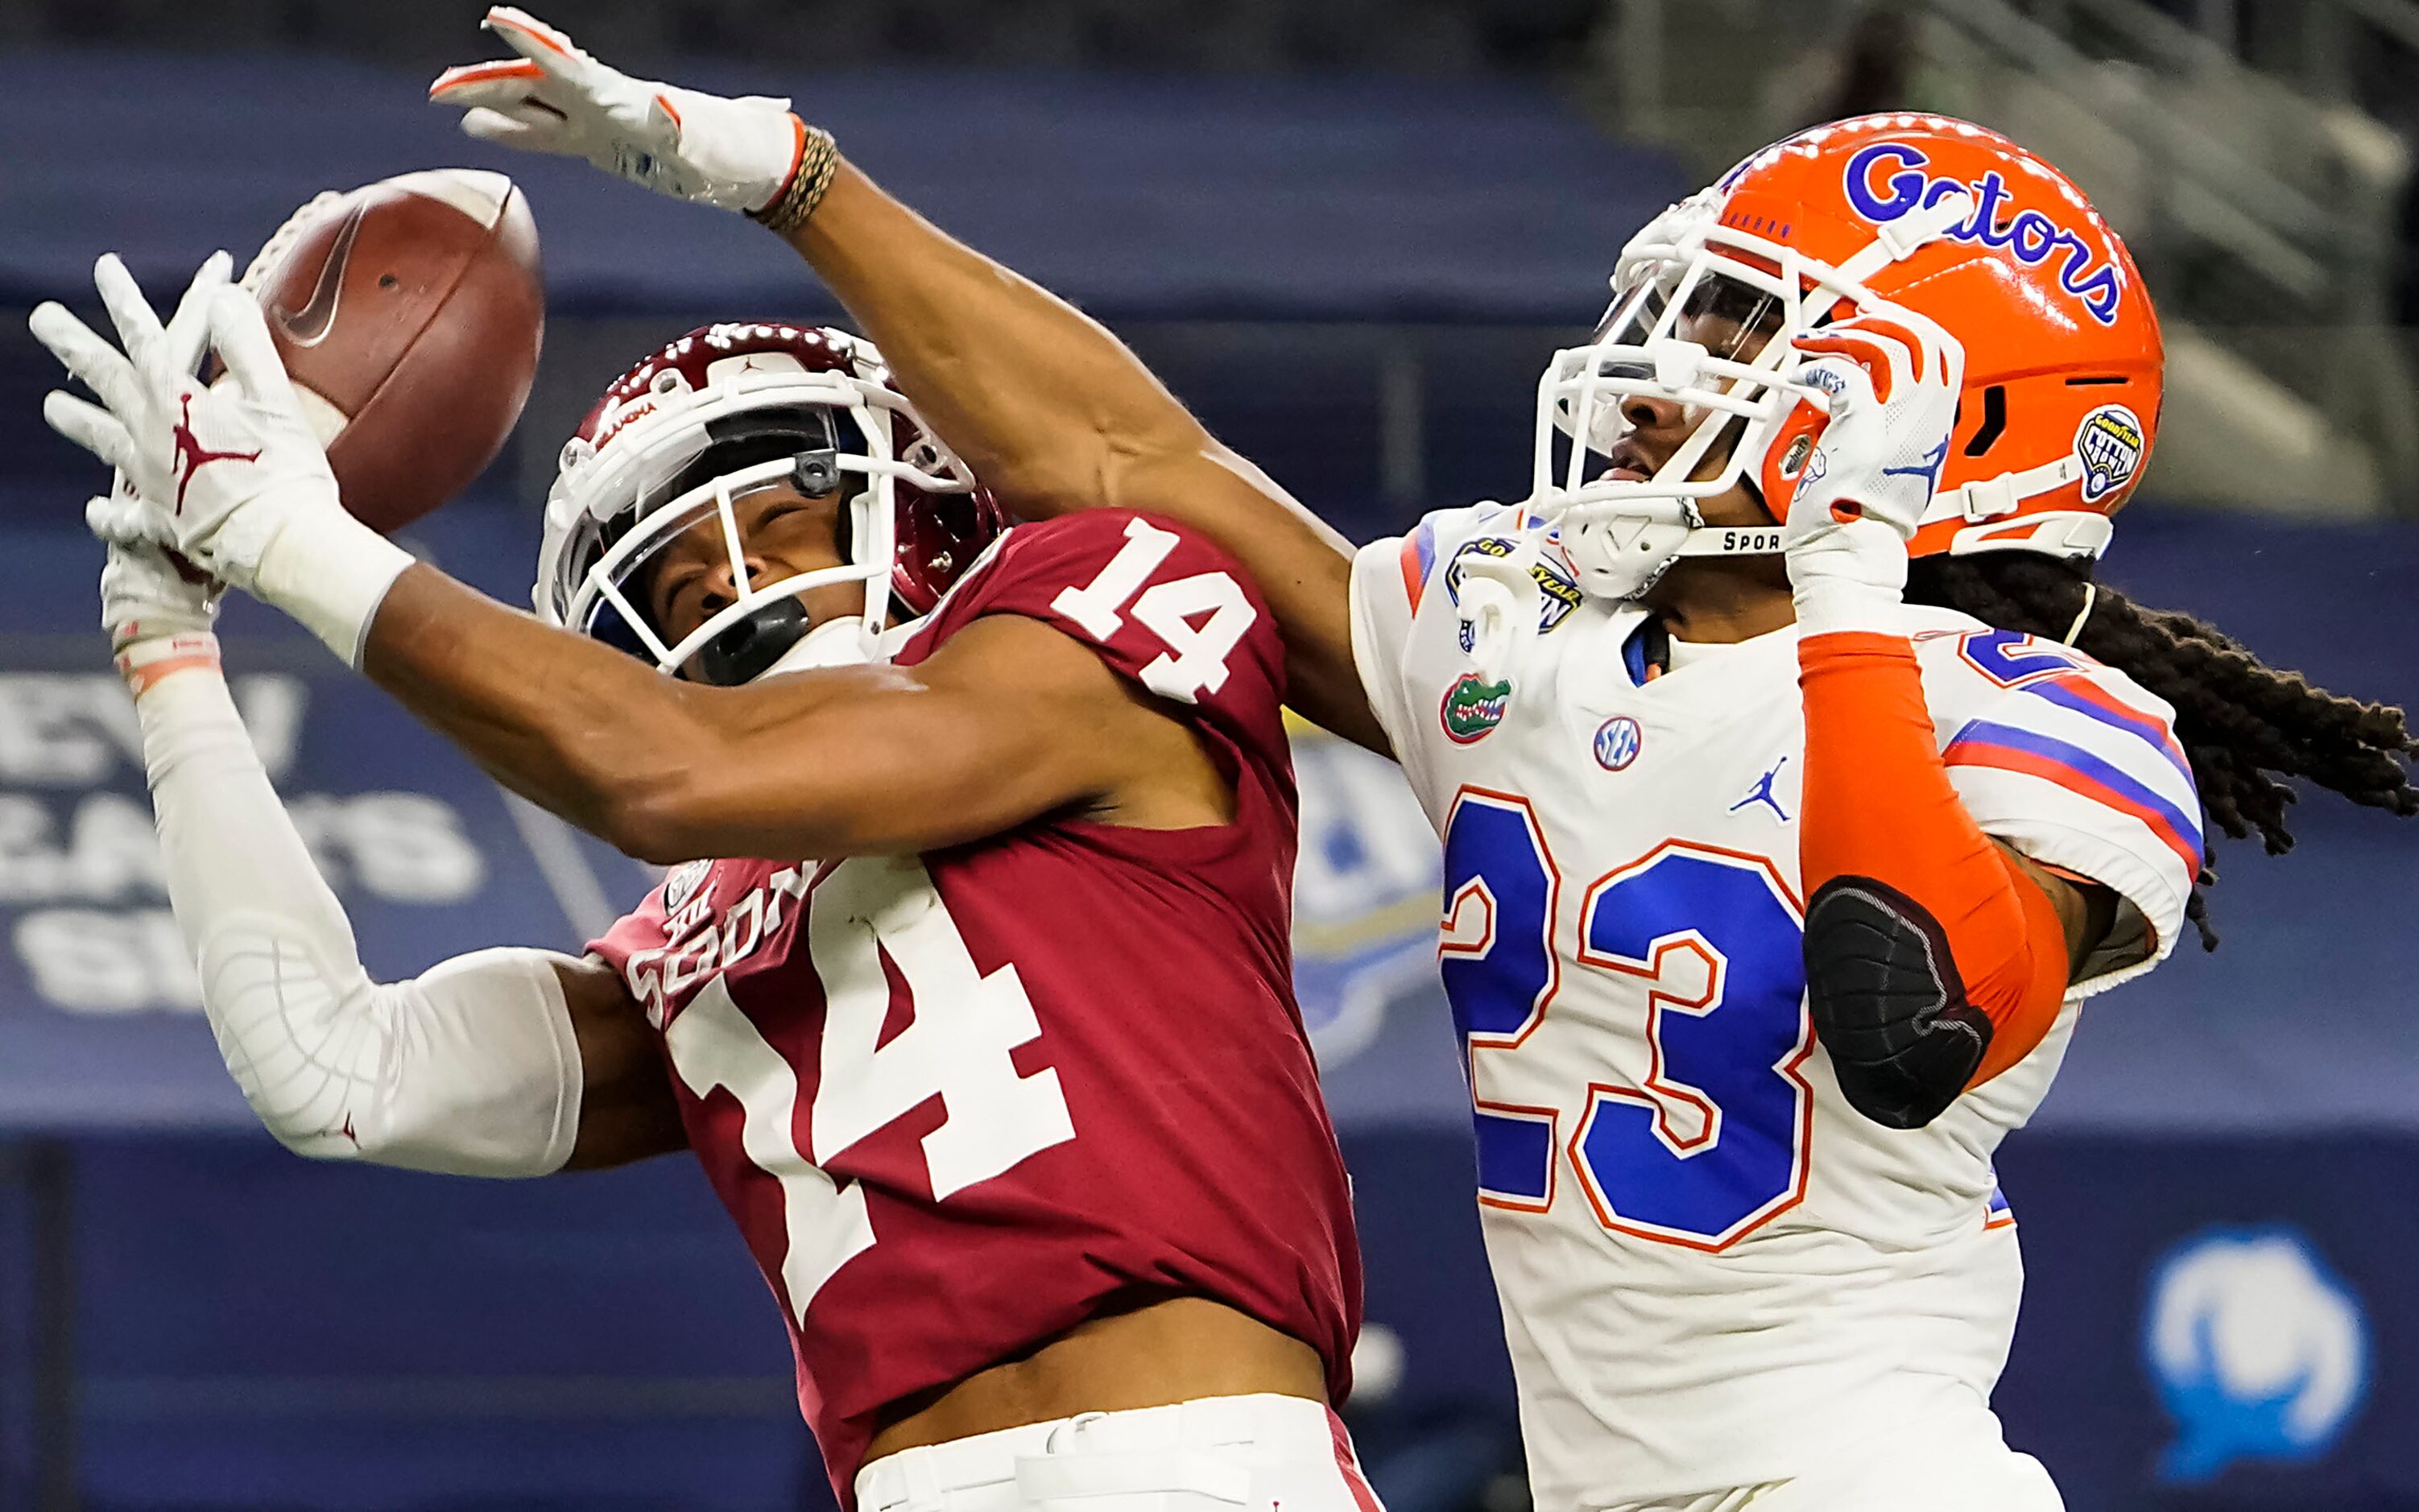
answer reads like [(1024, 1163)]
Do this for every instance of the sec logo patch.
[(1618, 741)]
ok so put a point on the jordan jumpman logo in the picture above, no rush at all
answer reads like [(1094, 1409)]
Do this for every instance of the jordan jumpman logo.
[(190, 457), (1929, 469), (1761, 793)]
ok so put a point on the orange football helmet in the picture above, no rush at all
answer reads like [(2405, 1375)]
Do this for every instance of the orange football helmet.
[(2062, 349)]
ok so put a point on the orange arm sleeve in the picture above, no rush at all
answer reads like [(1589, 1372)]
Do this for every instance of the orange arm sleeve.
[(1878, 804)]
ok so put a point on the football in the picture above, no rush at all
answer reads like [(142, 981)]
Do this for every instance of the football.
[(409, 314)]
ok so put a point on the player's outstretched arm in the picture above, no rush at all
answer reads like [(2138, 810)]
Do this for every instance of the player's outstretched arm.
[(1056, 414), (1935, 957), (1008, 721), (503, 1062), (1053, 413), (666, 770)]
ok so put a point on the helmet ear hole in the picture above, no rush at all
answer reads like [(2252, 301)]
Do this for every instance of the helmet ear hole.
[(1995, 421)]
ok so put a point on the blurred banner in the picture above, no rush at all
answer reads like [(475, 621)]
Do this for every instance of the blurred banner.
[(1292, 198), (99, 1014), (2305, 1022), (2217, 1323)]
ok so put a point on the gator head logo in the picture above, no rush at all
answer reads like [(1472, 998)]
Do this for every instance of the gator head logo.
[(1473, 708)]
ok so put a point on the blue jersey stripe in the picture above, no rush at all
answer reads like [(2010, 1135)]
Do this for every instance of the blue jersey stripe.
[(2132, 722), (2084, 763)]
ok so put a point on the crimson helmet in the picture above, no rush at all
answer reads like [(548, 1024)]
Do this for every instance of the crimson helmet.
[(805, 406), (2063, 355)]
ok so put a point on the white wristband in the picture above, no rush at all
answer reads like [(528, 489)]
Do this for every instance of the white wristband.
[(1850, 576), (330, 572)]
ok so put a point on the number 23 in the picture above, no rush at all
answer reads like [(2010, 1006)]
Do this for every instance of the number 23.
[(1713, 1145)]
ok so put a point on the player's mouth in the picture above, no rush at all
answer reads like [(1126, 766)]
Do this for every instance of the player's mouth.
[(1630, 464)]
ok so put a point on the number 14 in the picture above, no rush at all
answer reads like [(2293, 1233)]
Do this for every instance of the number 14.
[(1195, 660)]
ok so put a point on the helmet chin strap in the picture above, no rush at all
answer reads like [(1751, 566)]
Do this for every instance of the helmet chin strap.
[(839, 642), (748, 649), (1730, 541), (780, 637), (1626, 569)]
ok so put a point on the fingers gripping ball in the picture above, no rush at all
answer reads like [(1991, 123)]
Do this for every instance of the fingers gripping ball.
[(409, 314)]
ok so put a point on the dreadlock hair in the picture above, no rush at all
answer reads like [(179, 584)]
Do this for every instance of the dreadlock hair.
[(2244, 725)]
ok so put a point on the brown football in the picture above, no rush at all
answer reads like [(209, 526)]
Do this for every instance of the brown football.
[(410, 312)]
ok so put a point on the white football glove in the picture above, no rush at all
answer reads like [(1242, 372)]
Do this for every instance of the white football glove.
[(1874, 461), (734, 154), (145, 594), (171, 353), (230, 477)]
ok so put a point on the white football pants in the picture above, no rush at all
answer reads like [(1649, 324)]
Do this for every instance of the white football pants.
[(1220, 1453), (1960, 1464)]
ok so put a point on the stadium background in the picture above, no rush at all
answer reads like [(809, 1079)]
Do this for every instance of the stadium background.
[(1347, 231)]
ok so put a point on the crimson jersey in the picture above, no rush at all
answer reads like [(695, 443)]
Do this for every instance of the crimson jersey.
[(959, 1102)]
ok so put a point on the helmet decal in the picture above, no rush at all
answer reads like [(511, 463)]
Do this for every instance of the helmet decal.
[(2109, 445), (1886, 180)]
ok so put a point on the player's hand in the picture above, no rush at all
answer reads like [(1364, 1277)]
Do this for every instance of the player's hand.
[(215, 472), (146, 594), (151, 352), (735, 154), (1867, 461)]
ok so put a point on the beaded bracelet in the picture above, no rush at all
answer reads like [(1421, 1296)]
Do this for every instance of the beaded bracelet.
[(818, 162)]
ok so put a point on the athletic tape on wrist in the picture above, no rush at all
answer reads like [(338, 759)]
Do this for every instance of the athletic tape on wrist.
[(145, 663)]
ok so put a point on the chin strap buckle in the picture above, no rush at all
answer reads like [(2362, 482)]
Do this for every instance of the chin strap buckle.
[(1993, 497), (1499, 602)]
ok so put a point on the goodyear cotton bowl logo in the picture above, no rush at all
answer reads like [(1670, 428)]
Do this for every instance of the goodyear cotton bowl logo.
[(2109, 445), (1888, 179), (1473, 708), (2259, 1350), (1558, 592)]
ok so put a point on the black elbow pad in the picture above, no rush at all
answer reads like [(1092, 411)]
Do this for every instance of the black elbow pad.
[(1887, 1003)]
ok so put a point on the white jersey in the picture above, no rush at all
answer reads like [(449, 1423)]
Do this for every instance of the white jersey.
[(1715, 1272)]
